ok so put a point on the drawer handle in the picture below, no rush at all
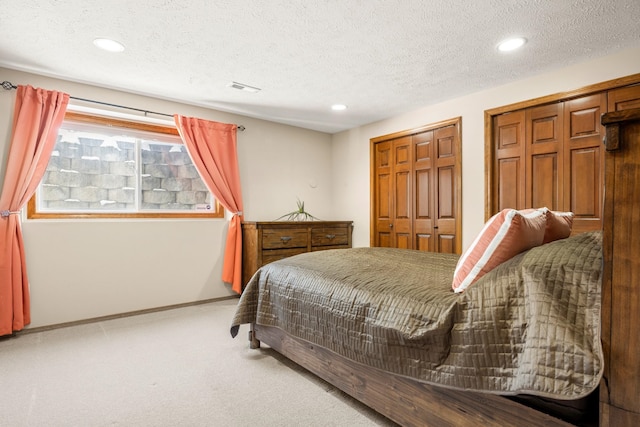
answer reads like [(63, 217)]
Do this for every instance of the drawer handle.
[(285, 239), (330, 236)]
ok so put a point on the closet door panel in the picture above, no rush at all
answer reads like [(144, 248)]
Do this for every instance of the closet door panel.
[(510, 185), (383, 207), (403, 240), (384, 239), (584, 161), (584, 197), (423, 191), (544, 191), (423, 195), (424, 242), (402, 202), (446, 228), (402, 205), (403, 193), (384, 203), (446, 193), (543, 155), (446, 244), (624, 98), (509, 171), (446, 175)]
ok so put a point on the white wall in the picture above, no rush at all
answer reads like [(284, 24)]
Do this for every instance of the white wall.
[(89, 268), (92, 268), (351, 175)]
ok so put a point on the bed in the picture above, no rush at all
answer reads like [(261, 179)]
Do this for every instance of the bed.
[(521, 346)]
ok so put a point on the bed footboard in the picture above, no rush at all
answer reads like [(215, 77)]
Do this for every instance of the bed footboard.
[(405, 401)]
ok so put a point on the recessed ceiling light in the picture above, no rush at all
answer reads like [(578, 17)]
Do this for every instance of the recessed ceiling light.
[(511, 44), (338, 107), (109, 45), (242, 86)]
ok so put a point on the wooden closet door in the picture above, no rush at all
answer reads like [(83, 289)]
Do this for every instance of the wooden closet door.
[(382, 194), (552, 156), (543, 154), (436, 190), (509, 164), (393, 193), (416, 189), (424, 192), (446, 185), (402, 192), (584, 161), (566, 175)]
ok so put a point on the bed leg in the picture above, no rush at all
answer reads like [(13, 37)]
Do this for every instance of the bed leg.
[(253, 342)]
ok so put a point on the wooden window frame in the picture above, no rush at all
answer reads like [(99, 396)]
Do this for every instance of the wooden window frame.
[(32, 213)]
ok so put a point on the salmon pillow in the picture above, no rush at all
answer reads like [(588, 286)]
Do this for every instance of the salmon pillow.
[(558, 225), (504, 236)]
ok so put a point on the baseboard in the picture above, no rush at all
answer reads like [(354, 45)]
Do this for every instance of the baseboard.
[(121, 315)]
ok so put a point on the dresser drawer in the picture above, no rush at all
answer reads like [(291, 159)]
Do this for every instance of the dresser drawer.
[(330, 236), (271, 255), (280, 238)]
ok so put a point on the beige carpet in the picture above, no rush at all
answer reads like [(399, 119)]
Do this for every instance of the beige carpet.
[(171, 368)]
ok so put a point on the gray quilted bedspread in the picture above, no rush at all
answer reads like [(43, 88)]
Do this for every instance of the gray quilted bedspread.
[(532, 325)]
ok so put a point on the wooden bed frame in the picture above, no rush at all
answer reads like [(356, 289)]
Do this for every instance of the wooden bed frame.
[(412, 403)]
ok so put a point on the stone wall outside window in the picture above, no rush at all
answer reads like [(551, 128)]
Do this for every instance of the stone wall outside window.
[(101, 174)]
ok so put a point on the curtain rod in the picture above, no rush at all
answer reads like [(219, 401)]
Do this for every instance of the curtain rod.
[(8, 86)]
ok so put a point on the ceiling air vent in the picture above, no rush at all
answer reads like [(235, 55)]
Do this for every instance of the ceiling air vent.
[(241, 86)]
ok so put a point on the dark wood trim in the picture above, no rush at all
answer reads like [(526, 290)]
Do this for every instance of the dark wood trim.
[(408, 132), (616, 117), (612, 121), (633, 79), (372, 192), (489, 158), (32, 214), (620, 389)]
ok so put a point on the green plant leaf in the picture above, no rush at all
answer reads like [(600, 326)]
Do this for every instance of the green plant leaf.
[(298, 215)]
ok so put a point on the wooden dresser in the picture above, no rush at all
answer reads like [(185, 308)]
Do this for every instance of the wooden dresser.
[(267, 241)]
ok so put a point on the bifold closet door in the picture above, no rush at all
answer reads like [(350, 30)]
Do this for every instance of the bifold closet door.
[(436, 178), (416, 192), (392, 193), (552, 156)]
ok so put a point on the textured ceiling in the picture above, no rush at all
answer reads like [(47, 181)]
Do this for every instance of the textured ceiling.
[(379, 57)]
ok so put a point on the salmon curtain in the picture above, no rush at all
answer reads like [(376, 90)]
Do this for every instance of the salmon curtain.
[(213, 150), (37, 117)]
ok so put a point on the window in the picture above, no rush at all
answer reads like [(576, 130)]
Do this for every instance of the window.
[(109, 168)]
